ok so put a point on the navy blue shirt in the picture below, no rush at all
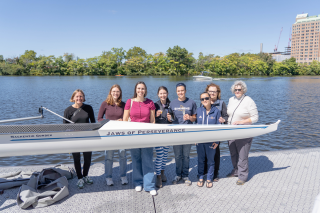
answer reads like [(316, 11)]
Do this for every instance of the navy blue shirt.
[(180, 108)]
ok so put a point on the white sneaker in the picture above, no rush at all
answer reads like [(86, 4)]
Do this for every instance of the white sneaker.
[(124, 180), (80, 183), (138, 188), (153, 192), (87, 180), (109, 181)]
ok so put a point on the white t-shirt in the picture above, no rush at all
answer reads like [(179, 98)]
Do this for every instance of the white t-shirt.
[(247, 109)]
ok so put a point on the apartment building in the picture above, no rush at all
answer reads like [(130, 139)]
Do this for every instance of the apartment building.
[(305, 38)]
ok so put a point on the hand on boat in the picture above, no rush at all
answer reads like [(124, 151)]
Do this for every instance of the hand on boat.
[(222, 120), (120, 119)]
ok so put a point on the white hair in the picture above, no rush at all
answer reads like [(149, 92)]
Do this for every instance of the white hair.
[(239, 83)]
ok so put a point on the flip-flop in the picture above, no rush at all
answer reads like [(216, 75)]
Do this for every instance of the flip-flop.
[(207, 184), (201, 183), (216, 180)]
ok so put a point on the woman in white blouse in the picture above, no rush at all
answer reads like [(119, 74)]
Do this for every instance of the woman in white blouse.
[(242, 111)]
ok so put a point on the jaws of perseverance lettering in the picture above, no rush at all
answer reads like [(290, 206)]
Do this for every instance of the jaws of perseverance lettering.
[(146, 132)]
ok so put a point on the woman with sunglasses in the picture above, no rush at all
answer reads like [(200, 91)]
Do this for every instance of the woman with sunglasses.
[(242, 110), (215, 95), (113, 108), (162, 108), (141, 109), (206, 114)]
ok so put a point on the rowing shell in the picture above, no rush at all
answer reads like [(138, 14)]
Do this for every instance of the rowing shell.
[(18, 140)]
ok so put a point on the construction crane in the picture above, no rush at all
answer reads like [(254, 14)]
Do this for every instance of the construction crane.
[(276, 46), (290, 36)]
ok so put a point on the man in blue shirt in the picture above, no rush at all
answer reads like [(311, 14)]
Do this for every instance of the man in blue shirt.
[(184, 110)]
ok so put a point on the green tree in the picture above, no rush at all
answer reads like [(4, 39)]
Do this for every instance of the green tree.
[(135, 52), (120, 55)]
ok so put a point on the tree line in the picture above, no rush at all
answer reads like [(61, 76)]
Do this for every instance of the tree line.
[(136, 61)]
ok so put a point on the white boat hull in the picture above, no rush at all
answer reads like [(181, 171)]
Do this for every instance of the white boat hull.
[(202, 78), (124, 135)]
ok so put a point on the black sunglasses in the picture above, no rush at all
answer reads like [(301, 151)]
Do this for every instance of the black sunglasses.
[(206, 98), (237, 90)]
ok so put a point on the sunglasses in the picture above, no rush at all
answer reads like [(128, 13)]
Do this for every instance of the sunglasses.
[(213, 91), (237, 90), (206, 98)]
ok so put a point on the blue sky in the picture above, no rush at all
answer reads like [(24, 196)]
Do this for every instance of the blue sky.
[(86, 28)]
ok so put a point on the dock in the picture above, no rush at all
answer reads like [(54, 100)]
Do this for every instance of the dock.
[(279, 181)]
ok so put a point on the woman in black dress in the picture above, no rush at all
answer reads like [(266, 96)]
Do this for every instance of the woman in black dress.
[(80, 113)]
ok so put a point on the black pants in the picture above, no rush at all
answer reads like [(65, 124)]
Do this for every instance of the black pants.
[(86, 164), (216, 163)]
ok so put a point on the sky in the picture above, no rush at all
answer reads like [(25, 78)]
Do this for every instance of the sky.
[(87, 28)]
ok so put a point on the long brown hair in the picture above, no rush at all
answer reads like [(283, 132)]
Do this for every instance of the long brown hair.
[(135, 89), (216, 86), (110, 100)]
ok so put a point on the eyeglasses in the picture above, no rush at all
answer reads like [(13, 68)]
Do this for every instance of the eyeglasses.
[(212, 91), (206, 98), (237, 90)]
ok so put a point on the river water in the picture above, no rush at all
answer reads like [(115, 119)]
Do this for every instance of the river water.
[(293, 100)]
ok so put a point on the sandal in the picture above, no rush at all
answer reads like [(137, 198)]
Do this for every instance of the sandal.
[(200, 183), (216, 180), (207, 184)]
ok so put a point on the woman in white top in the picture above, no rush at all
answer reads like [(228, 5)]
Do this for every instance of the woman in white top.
[(242, 111)]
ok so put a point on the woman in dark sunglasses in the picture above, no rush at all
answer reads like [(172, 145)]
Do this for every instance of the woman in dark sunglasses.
[(206, 114), (215, 95)]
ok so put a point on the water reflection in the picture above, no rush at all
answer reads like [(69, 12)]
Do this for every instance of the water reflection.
[(294, 100)]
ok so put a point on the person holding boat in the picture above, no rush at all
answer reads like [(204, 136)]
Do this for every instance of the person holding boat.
[(80, 113), (208, 113), (162, 108), (113, 108), (242, 110), (141, 109), (215, 95), (184, 110)]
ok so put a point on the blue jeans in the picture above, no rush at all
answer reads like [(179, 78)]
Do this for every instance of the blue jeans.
[(181, 154), (108, 162), (142, 168)]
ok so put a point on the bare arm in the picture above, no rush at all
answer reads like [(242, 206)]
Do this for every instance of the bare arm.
[(152, 116), (126, 115)]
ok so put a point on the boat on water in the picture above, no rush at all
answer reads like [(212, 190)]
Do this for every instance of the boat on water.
[(38, 139), (202, 77)]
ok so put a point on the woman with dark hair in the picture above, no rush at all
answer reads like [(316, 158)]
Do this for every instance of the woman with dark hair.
[(215, 96), (206, 114), (141, 109), (113, 108), (162, 108), (80, 113)]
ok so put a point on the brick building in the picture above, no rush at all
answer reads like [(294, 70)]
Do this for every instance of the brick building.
[(305, 38)]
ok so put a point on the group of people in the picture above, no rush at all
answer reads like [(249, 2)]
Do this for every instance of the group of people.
[(241, 110)]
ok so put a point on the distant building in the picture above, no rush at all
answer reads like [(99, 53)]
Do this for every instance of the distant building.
[(305, 38), (281, 56)]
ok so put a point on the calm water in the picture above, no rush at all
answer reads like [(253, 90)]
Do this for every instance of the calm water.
[(294, 100)]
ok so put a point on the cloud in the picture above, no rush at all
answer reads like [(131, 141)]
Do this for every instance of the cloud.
[(112, 11)]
